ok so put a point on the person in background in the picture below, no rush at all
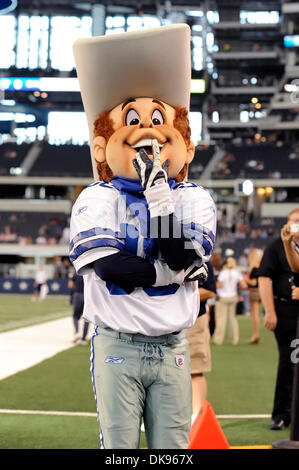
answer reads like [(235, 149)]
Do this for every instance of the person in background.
[(40, 280), (254, 258), (229, 280), (229, 253), (279, 291), (65, 236), (216, 260), (76, 284), (199, 340)]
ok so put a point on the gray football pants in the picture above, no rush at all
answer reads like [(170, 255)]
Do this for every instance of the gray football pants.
[(135, 376)]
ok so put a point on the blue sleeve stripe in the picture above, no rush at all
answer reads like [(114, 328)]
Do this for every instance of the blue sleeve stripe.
[(207, 246), (100, 242), (202, 244), (91, 233), (204, 230), (197, 233), (185, 185)]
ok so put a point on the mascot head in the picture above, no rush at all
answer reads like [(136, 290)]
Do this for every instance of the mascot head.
[(135, 87)]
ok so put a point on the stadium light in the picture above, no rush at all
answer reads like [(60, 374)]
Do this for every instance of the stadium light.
[(247, 187), (198, 85), (64, 84), (8, 102), (194, 13), (260, 191), (244, 187)]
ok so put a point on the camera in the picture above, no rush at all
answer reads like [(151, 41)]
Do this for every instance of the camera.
[(294, 228)]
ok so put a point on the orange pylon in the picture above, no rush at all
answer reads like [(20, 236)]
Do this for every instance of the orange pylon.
[(206, 432)]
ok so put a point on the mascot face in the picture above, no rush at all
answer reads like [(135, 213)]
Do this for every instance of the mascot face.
[(135, 123)]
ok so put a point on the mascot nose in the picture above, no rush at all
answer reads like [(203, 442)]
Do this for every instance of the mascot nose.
[(146, 122)]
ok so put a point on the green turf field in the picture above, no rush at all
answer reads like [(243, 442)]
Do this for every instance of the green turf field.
[(17, 311), (241, 382)]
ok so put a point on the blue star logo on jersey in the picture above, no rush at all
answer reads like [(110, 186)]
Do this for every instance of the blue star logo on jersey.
[(114, 360)]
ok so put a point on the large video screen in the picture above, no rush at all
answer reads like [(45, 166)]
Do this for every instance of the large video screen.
[(291, 41)]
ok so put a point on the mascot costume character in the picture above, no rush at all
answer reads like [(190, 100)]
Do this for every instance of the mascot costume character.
[(140, 234)]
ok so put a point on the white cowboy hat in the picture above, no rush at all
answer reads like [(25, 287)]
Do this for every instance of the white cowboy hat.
[(154, 63)]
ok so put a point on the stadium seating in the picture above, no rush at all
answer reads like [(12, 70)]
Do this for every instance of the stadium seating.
[(63, 160), (201, 159), (259, 234), (29, 226), (12, 155), (258, 161)]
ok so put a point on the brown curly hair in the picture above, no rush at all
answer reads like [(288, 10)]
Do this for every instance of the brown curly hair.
[(103, 126)]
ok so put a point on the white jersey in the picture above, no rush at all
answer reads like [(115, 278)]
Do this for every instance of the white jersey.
[(102, 223)]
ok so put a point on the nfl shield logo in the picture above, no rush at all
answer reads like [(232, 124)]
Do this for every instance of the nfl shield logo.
[(179, 360)]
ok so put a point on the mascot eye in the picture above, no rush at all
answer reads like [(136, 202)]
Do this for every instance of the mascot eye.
[(132, 118), (157, 117)]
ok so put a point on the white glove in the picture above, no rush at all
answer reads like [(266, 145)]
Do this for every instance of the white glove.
[(151, 172), (154, 178), (196, 273)]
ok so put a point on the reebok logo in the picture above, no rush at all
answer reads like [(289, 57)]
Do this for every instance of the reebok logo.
[(114, 360), (81, 209)]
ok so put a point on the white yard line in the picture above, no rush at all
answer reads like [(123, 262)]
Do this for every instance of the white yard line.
[(79, 413), (26, 347), (243, 416), (53, 413)]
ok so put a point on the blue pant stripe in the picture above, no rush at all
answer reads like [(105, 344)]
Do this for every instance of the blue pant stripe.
[(102, 446)]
